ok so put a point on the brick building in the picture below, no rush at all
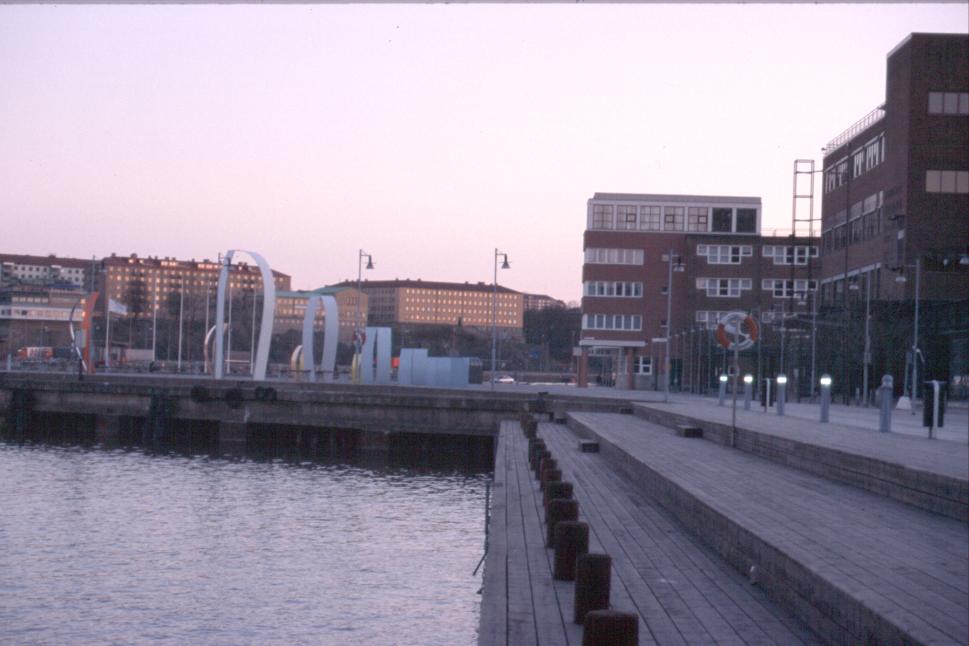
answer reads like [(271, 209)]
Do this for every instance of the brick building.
[(896, 195), (723, 263), (421, 302)]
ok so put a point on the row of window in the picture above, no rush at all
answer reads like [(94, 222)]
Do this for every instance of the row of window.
[(724, 287), (862, 160), (595, 256), (947, 181), (948, 102), (797, 255), (613, 288), (723, 254), (788, 288), (631, 322), (701, 219)]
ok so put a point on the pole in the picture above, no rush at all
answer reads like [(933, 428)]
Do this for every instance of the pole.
[(494, 319), (107, 326), (154, 323), (867, 356), (181, 318), (915, 337), (669, 321), (205, 331), (228, 349), (814, 324)]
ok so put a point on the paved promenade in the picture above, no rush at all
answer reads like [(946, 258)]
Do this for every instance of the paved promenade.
[(855, 565)]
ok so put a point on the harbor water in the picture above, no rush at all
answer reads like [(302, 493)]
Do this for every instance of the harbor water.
[(120, 546)]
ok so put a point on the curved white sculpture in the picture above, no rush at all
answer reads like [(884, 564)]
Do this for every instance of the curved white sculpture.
[(331, 331), (268, 312)]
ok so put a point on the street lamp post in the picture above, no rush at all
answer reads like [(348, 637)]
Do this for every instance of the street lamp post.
[(494, 311), (866, 359), (669, 316), (358, 333), (915, 332)]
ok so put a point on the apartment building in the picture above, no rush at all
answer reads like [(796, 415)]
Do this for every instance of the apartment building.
[(44, 270), (719, 262), (420, 302), (142, 283)]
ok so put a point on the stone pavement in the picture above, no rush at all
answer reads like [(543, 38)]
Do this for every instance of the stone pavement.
[(856, 566)]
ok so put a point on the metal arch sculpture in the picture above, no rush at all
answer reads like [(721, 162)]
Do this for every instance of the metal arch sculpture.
[(268, 312), (331, 331)]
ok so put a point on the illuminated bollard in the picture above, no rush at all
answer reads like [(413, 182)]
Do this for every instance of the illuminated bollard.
[(723, 389), (781, 393), (748, 390), (825, 397), (885, 402)]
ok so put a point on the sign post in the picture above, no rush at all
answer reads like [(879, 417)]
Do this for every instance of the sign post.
[(743, 328)]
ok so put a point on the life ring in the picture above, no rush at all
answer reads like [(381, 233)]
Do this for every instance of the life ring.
[(737, 321)]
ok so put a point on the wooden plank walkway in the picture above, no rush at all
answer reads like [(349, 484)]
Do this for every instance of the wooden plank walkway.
[(855, 565), (683, 593)]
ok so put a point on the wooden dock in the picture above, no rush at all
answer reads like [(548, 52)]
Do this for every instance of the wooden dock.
[(682, 592)]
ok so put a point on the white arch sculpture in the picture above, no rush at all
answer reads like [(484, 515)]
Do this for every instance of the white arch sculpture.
[(376, 369), (330, 333), (268, 312)]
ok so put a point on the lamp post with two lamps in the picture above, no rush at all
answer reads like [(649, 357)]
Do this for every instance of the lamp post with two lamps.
[(669, 315), (915, 332), (867, 351), (494, 312)]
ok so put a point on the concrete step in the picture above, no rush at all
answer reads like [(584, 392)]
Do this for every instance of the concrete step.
[(853, 565), (930, 474)]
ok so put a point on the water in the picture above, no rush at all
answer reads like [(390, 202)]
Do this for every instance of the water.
[(101, 547)]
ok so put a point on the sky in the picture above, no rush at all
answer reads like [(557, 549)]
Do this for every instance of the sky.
[(425, 135)]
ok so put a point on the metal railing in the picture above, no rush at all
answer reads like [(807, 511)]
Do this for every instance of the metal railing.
[(862, 124)]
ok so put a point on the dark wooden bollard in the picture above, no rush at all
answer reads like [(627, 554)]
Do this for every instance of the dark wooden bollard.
[(556, 489), (550, 475), (571, 541), (539, 456), (592, 572), (610, 628), (532, 444), (559, 510), (534, 455), (547, 463)]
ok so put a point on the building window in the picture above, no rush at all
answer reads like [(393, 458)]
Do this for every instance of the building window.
[(624, 322), (858, 163), (947, 181), (709, 319), (673, 218), (626, 218), (650, 218), (723, 287), (724, 254), (698, 218), (746, 220), (785, 288), (618, 289), (722, 220), (643, 365), (790, 255), (948, 102), (602, 216), (598, 256)]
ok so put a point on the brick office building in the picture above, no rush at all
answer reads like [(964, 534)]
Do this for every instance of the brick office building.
[(896, 195), (726, 265)]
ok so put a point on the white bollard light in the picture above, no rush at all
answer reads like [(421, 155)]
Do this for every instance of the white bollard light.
[(825, 397), (781, 393)]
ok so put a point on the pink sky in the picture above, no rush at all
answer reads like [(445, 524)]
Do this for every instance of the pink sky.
[(425, 134)]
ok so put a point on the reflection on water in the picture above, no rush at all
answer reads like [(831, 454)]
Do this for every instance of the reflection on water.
[(100, 546)]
